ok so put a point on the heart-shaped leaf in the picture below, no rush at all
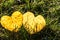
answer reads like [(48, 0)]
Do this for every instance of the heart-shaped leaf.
[(12, 23), (33, 24)]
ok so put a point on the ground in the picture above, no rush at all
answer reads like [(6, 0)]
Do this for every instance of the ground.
[(50, 9)]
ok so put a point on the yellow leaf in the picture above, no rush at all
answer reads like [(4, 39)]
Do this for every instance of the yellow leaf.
[(12, 23), (33, 24)]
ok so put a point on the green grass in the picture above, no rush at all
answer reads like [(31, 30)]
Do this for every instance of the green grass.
[(50, 9)]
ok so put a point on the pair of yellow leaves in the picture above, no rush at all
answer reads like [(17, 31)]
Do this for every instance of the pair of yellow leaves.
[(31, 23)]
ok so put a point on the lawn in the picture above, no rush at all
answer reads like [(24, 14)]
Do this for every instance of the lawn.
[(49, 9)]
